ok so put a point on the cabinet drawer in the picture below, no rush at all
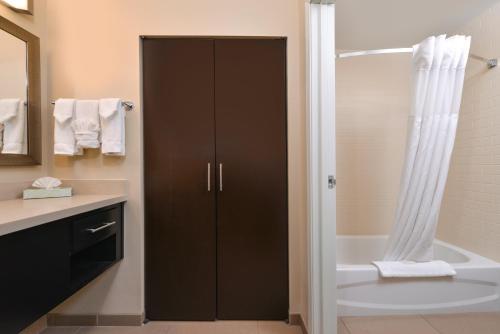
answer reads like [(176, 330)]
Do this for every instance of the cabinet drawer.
[(95, 227)]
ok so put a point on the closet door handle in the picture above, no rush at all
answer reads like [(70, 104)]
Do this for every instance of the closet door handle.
[(208, 177), (220, 177)]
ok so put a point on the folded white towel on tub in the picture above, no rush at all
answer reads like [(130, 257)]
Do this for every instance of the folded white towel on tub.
[(112, 126), (86, 124), (414, 269), (13, 115)]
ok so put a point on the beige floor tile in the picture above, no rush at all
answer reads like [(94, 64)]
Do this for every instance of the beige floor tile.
[(192, 327), (341, 328), (277, 327), (237, 327), (150, 328), (482, 323), (388, 325), (61, 330)]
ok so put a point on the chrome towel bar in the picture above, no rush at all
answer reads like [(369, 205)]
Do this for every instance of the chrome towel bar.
[(128, 105)]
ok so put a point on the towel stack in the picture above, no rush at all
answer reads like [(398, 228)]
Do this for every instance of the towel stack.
[(13, 127), (81, 124)]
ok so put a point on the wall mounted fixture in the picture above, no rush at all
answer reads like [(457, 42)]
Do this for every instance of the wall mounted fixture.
[(128, 105), (490, 62), (20, 6)]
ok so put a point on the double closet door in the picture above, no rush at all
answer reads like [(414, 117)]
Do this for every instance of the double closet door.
[(215, 165)]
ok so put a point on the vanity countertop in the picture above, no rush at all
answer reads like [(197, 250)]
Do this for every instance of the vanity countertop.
[(19, 214)]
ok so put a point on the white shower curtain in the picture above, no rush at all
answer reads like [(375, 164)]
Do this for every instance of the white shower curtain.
[(438, 70)]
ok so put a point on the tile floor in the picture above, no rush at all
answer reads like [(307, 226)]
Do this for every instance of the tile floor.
[(219, 327), (479, 323)]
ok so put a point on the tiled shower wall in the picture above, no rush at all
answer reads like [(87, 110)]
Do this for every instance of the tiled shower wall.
[(470, 215), (373, 100)]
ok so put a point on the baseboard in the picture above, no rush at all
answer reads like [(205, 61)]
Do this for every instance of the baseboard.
[(120, 319), (296, 319), (55, 319)]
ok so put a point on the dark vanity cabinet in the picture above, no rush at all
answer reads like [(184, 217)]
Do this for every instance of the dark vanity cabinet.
[(43, 265)]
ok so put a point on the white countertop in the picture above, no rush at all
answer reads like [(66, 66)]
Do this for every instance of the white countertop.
[(19, 214)]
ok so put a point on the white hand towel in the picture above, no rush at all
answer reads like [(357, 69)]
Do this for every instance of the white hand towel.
[(86, 124), (64, 137), (14, 132), (1, 135), (8, 109), (414, 269), (113, 126)]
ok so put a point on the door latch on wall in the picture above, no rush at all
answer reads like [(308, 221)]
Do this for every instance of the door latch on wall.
[(332, 182)]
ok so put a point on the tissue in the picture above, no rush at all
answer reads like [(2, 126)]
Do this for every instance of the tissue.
[(47, 187), (47, 182)]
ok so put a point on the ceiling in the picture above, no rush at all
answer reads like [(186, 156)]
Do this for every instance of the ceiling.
[(376, 24)]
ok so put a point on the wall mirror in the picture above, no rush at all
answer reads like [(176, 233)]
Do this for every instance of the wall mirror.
[(20, 121)]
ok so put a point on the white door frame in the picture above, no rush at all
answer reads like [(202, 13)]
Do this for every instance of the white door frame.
[(320, 35)]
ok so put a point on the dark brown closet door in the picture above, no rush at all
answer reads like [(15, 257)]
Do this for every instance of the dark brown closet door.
[(178, 85), (251, 149)]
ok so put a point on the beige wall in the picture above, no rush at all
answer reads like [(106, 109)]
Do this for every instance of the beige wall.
[(36, 25), (94, 52), (373, 100), (470, 215)]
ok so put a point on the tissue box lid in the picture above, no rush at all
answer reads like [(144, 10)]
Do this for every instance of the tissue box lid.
[(47, 193)]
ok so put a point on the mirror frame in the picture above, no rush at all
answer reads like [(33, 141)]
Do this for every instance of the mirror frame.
[(34, 156)]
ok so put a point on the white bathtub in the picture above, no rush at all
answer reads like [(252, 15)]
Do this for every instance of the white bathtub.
[(475, 288)]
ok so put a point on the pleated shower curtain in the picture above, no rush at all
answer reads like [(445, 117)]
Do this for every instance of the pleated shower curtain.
[(438, 70)]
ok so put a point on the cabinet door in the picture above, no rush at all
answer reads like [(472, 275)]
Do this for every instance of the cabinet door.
[(35, 274), (252, 211), (178, 86)]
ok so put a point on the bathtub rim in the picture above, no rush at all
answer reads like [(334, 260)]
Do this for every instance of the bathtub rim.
[(474, 260)]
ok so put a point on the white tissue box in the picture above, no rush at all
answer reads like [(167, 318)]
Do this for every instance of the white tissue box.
[(47, 193)]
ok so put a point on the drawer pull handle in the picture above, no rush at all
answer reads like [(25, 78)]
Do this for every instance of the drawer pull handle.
[(100, 228)]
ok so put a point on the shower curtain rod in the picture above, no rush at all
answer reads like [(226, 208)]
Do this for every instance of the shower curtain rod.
[(491, 63)]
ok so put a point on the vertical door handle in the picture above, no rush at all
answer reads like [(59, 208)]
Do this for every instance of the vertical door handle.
[(220, 177), (208, 177)]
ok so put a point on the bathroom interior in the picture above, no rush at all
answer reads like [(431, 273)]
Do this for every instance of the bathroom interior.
[(260, 167)]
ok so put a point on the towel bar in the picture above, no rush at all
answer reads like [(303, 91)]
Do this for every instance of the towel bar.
[(129, 105)]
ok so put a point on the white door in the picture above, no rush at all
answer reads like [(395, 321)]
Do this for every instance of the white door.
[(321, 146)]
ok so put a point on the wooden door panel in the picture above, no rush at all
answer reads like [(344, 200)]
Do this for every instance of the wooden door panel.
[(179, 143), (252, 209)]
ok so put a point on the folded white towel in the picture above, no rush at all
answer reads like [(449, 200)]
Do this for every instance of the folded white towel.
[(64, 110), (112, 126), (64, 137), (8, 109), (1, 135), (86, 124), (13, 115), (414, 269)]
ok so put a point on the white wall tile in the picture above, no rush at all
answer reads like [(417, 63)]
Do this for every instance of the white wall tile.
[(470, 215)]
